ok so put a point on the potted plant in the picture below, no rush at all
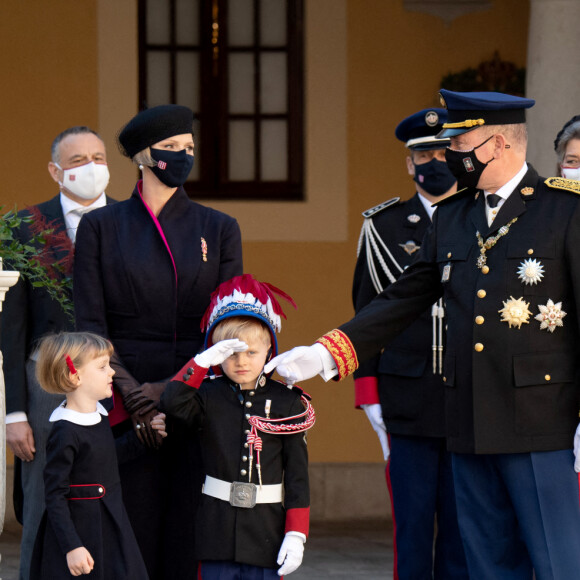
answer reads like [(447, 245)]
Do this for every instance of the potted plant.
[(45, 260)]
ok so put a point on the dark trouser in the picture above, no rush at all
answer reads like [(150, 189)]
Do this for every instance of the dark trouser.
[(420, 481), (519, 514), (40, 406), (235, 571)]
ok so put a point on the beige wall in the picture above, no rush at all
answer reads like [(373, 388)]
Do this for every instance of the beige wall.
[(369, 64)]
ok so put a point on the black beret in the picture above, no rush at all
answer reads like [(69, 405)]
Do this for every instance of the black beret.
[(153, 125)]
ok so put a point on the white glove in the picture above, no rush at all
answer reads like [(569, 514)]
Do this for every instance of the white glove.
[(299, 364), (375, 417), (577, 450), (219, 352), (291, 553)]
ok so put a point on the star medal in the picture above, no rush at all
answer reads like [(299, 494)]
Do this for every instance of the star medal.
[(550, 315), (531, 272), (515, 312)]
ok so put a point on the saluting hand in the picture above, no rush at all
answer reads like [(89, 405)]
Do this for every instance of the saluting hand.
[(219, 352)]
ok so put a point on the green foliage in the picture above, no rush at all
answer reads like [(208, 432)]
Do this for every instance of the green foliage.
[(32, 259)]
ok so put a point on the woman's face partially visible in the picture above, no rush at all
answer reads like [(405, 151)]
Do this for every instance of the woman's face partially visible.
[(176, 143)]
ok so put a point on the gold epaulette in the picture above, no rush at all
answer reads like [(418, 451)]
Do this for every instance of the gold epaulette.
[(572, 185)]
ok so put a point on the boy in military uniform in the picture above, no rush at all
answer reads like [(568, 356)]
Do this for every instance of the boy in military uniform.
[(254, 512), (403, 386)]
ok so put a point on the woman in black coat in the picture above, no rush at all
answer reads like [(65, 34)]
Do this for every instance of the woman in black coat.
[(144, 272)]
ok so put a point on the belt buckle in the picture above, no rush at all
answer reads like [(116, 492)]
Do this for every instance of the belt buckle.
[(243, 494)]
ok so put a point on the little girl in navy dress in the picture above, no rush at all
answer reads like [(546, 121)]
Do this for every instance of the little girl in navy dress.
[(85, 529)]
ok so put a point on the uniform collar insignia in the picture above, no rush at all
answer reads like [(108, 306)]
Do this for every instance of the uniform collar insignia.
[(410, 247), (414, 218), (527, 191)]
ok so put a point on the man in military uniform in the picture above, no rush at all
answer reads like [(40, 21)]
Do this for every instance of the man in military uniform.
[(502, 252), (403, 386)]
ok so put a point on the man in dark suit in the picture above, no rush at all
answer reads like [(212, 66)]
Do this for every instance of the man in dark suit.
[(403, 386), (79, 166), (502, 252)]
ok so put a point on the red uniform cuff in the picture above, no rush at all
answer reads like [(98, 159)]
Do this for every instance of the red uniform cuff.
[(297, 520), (191, 374), (366, 391), (341, 350)]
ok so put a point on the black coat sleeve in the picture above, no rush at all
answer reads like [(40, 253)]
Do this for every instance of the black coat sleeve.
[(61, 450)]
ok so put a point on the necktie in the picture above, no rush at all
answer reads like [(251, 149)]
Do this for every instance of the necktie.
[(492, 199), (79, 212)]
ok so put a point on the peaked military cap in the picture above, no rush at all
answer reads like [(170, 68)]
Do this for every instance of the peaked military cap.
[(467, 111), (419, 131)]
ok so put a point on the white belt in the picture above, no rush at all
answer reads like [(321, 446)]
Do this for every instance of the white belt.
[(242, 494)]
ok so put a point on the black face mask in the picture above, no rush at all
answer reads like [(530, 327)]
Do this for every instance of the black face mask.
[(465, 165), (172, 167), (434, 177)]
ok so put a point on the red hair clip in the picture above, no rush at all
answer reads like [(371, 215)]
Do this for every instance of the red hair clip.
[(69, 364)]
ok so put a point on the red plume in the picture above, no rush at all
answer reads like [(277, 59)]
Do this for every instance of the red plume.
[(247, 284)]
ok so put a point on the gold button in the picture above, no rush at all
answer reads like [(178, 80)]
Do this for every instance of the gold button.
[(479, 320), (530, 251), (548, 377), (449, 254), (444, 379), (248, 404), (478, 346), (481, 293), (485, 269), (243, 472)]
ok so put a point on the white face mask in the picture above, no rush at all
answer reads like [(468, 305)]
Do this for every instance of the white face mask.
[(87, 181), (571, 172)]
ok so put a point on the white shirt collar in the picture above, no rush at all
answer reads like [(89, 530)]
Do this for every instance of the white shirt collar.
[(506, 190), (61, 413), (69, 204), (71, 219), (428, 205)]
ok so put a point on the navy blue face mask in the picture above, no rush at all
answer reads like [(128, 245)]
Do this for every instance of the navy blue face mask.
[(434, 177), (172, 167)]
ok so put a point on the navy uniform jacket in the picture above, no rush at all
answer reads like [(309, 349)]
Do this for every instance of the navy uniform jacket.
[(30, 313), (411, 395), (508, 390), (148, 302), (220, 409)]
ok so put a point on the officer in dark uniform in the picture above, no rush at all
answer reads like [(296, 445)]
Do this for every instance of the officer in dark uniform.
[(404, 384), (502, 252)]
